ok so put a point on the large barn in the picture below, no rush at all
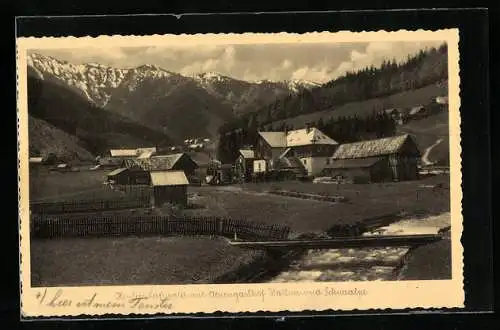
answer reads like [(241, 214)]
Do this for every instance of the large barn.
[(311, 146), (387, 159), (168, 187)]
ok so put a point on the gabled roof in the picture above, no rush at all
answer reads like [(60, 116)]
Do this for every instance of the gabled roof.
[(117, 171), (168, 178), (158, 163), (354, 163), (371, 148), (274, 139), (302, 137), (299, 137), (123, 152), (247, 153)]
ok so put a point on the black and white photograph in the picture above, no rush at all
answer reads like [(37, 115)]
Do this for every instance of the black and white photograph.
[(239, 163)]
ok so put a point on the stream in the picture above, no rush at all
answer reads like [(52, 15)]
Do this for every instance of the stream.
[(365, 264)]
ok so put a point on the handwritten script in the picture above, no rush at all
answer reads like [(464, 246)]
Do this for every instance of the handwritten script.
[(57, 299), (162, 301)]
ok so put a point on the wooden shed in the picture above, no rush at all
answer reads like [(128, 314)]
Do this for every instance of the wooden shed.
[(119, 176), (387, 159), (168, 187), (244, 164)]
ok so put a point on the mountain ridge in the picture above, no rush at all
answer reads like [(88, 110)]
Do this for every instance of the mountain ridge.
[(97, 81)]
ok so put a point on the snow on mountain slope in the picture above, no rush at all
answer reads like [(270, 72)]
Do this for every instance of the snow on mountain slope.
[(98, 83), (94, 81)]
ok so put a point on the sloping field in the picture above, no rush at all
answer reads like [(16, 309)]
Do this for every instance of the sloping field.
[(126, 261), (44, 138), (427, 131), (406, 99)]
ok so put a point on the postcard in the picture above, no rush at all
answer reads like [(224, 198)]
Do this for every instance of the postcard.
[(274, 172)]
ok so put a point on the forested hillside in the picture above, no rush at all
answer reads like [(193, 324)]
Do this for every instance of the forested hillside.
[(90, 127), (348, 108), (425, 68)]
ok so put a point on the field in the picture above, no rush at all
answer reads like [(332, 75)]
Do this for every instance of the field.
[(164, 260), (57, 186), (251, 202), (151, 260)]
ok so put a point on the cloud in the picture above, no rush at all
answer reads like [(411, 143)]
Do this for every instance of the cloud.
[(376, 52), (318, 73), (224, 62)]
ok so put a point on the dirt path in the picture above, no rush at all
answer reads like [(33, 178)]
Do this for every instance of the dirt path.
[(425, 157)]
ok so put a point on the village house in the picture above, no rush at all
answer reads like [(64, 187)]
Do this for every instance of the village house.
[(168, 187), (311, 146), (387, 159)]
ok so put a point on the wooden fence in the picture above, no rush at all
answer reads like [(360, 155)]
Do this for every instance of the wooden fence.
[(54, 226)]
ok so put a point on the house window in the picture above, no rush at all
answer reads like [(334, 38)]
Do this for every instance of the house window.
[(328, 161), (258, 167), (305, 161)]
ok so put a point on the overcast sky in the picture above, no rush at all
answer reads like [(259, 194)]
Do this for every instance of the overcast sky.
[(314, 62)]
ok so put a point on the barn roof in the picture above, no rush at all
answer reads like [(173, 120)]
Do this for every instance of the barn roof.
[(354, 163), (371, 148), (169, 178), (123, 152), (274, 139), (116, 172), (247, 153), (158, 163), (299, 137)]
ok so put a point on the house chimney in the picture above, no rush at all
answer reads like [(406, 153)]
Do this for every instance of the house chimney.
[(308, 127)]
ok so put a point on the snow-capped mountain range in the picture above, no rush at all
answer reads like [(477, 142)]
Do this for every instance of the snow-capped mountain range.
[(97, 82)]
